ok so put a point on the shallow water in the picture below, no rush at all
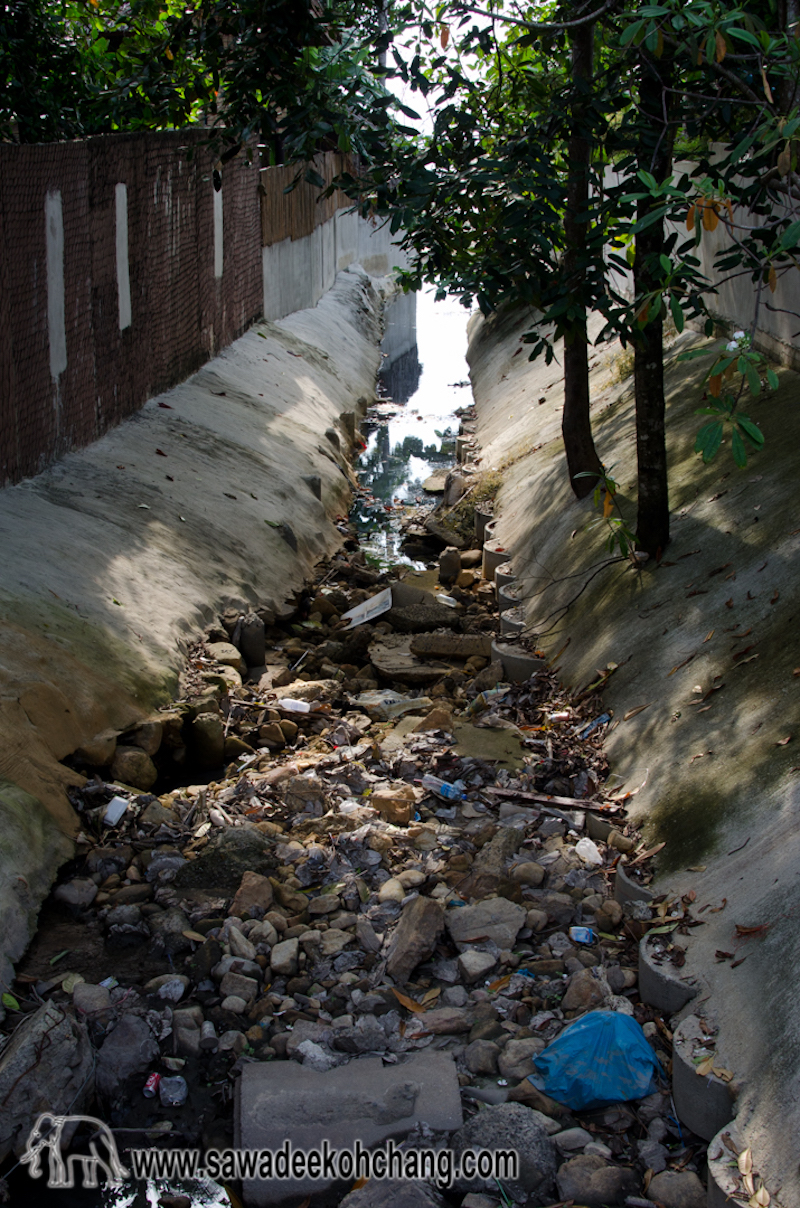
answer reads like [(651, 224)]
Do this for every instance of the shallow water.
[(411, 433)]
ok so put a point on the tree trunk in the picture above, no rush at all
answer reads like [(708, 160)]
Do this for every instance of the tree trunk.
[(654, 156), (576, 427)]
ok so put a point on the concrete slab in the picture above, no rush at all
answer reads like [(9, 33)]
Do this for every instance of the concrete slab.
[(281, 1102)]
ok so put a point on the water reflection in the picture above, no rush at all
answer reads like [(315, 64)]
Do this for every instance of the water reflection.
[(411, 433)]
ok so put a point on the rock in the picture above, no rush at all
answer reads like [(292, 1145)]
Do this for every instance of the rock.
[(128, 1049), (590, 1180), (167, 929), (314, 1057), (188, 1041), (326, 903), (489, 677), (222, 864), (420, 618), (536, 920), (272, 735), (157, 814), (148, 736), (240, 946), (227, 654), (362, 1100), (510, 1126), (392, 658), (208, 739), (474, 965), (496, 919), (89, 998), (653, 1155), (254, 891), (529, 873), (251, 640), (283, 958), (437, 719), (677, 1189), (586, 991), (156, 984), (131, 895), (449, 565), (391, 891), (334, 941), (448, 1021), (480, 1057), (365, 1036), (235, 1004), (78, 894), (452, 645), (46, 1066), (242, 987), (395, 804), (387, 1193), (98, 751), (366, 935), (571, 1139), (134, 767), (516, 1059), (415, 937)]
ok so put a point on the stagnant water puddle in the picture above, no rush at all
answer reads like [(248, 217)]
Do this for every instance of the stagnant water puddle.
[(411, 432), (410, 436)]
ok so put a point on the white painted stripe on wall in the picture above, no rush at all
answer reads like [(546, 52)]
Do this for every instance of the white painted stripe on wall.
[(217, 232), (123, 269), (56, 330)]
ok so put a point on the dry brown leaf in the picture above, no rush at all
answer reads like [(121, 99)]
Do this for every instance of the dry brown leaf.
[(639, 709), (765, 83), (772, 280), (705, 1066), (690, 218), (748, 1183), (722, 49), (444, 37), (359, 1183), (720, 1072), (761, 1199), (409, 1003), (785, 161), (708, 636), (722, 905), (194, 935)]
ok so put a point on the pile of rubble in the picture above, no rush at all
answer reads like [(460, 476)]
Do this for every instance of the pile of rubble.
[(401, 851)]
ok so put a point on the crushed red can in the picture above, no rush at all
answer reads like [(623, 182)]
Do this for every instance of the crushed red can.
[(150, 1088)]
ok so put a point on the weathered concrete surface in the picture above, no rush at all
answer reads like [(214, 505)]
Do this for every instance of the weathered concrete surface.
[(709, 779), (114, 556), (365, 1101)]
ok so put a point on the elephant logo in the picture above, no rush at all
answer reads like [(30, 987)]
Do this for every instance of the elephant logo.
[(46, 1135)]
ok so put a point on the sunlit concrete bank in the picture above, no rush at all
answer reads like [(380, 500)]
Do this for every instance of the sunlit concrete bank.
[(222, 492), (706, 645)]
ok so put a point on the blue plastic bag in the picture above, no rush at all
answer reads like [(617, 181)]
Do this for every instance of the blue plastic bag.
[(601, 1058)]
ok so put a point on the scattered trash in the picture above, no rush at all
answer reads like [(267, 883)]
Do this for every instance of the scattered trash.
[(370, 609), (588, 851), (448, 792), (115, 810), (601, 1058), (293, 706), (385, 703), (587, 730)]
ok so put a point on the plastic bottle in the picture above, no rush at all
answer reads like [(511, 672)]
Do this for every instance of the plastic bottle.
[(294, 706), (173, 1091), (588, 851), (448, 792), (484, 699)]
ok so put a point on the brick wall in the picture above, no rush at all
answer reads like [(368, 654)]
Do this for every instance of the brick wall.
[(75, 359)]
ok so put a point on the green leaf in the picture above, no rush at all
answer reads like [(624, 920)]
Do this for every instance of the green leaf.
[(790, 236), (10, 1001), (709, 439), (753, 380), (630, 33), (738, 449), (677, 313), (772, 379), (750, 430), (694, 353)]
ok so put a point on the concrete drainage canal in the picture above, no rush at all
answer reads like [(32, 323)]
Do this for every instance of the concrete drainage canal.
[(363, 903)]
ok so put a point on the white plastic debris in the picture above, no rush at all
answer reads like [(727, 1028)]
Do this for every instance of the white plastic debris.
[(115, 809), (588, 851), (294, 706), (374, 607)]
